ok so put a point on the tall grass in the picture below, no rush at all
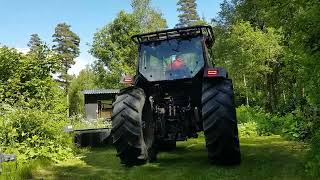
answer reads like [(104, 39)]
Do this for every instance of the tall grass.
[(17, 171)]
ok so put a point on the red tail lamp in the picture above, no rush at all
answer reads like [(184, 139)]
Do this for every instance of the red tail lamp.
[(127, 80), (212, 72)]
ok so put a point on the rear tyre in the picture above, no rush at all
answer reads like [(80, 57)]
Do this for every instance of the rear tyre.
[(132, 131), (219, 122)]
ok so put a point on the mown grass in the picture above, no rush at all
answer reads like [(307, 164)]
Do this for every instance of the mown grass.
[(269, 157)]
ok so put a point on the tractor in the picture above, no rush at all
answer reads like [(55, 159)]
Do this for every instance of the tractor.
[(176, 93)]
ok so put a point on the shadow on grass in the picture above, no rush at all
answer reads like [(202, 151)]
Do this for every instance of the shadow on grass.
[(262, 158)]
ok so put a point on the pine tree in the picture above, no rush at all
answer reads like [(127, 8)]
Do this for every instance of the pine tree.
[(34, 43), (37, 47), (188, 13), (66, 48)]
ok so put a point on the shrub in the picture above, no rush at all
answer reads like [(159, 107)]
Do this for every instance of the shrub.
[(263, 121), (313, 165), (268, 124), (34, 134), (80, 122), (248, 129), (296, 126), (293, 125), (245, 114)]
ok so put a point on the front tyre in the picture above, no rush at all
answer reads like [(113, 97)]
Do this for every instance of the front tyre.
[(132, 131), (219, 122)]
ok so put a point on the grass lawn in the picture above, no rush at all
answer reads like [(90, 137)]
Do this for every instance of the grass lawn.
[(269, 157)]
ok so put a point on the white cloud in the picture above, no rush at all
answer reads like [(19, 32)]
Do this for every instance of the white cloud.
[(23, 50), (81, 63)]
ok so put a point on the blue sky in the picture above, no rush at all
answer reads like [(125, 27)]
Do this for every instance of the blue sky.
[(21, 18)]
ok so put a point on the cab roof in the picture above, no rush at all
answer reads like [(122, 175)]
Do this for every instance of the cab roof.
[(175, 33)]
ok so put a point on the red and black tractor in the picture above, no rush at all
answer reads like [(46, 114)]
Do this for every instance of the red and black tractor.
[(176, 93)]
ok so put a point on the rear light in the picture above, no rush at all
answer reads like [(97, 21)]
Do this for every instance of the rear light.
[(127, 80), (216, 72), (212, 73)]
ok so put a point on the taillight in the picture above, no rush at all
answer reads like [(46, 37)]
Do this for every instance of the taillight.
[(127, 80), (212, 73), (216, 72)]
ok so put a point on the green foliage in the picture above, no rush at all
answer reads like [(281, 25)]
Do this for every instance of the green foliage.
[(22, 171), (188, 13), (296, 71), (262, 121), (105, 77), (292, 125), (113, 47), (313, 165), (67, 44), (257, 53), (32, 108), (34, 42), (85, 80), (27, 81), (306, 45), (66, 49), (34, 134), (147, 17), (289, 88), (248, 129), (79, 122), (295, 126)]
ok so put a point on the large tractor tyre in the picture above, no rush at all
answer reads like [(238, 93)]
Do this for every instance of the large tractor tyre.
[(220, 122), (162, 145), (132, 131)]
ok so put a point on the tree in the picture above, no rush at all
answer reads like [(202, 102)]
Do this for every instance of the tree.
[(66, 48), (147, 18), (258, 55), (226, 14), (34, 43), (27, 82), (188, 13), (85, 80), (113, 47), (38, 49)]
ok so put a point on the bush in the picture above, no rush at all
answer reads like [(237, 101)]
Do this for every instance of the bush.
[(34, 134), (80, 122), (293, 125), (245, 114), (248, 129), (263, 121), (268, 124), (313, 165)]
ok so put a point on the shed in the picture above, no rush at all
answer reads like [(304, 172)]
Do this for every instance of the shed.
[(98, 103)]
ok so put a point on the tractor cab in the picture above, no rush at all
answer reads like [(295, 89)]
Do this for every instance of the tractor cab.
[(174, 54)]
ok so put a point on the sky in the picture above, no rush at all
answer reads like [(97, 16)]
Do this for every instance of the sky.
[(21, 18)]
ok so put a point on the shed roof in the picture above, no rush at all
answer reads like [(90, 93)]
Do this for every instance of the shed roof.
[(101, 91)]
